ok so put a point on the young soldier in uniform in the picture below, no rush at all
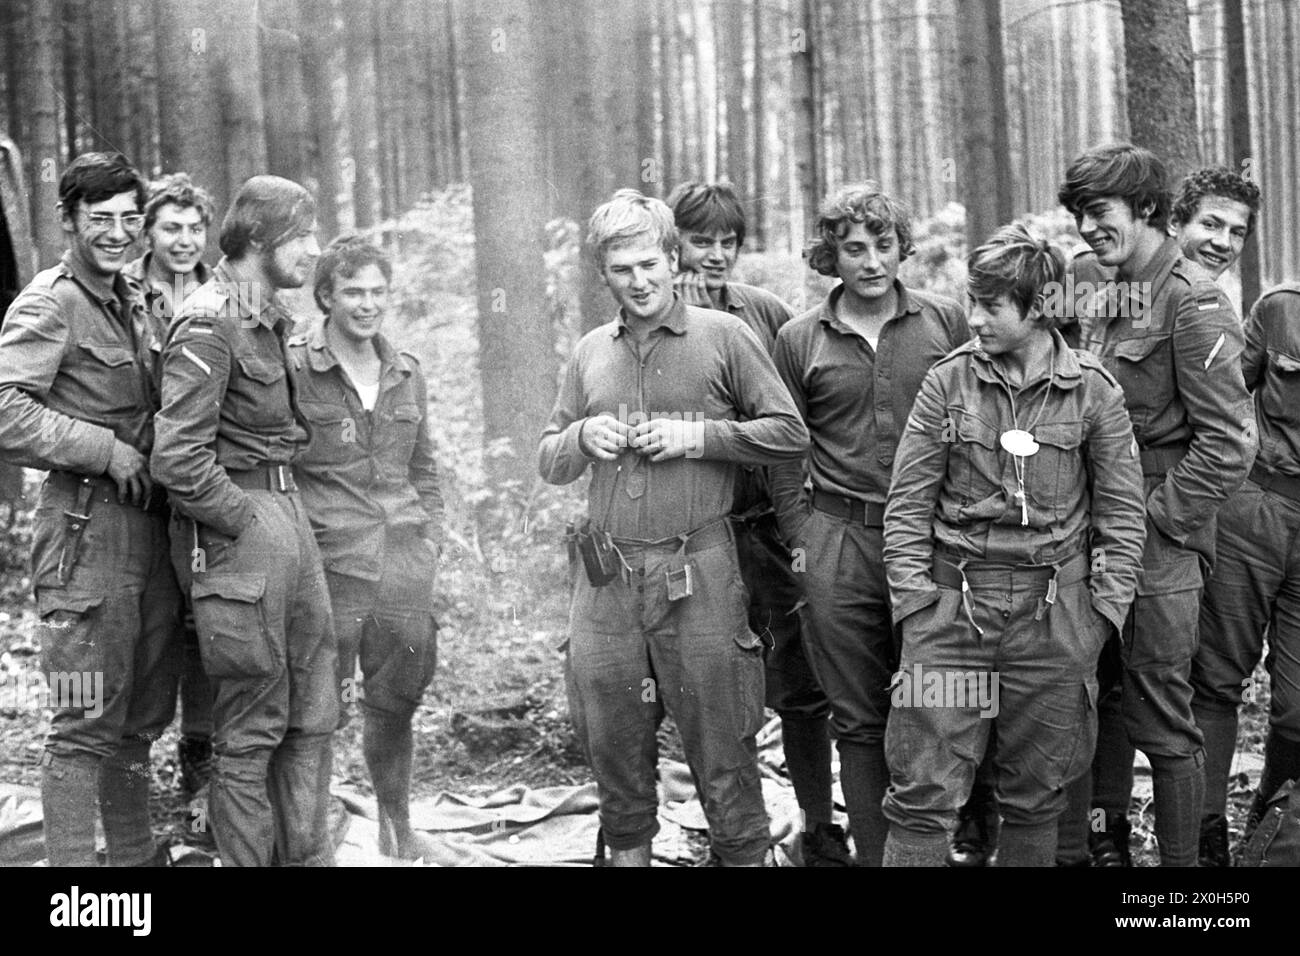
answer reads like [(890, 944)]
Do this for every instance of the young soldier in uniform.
[(711, 223), (1018, 458), (176, 218), (370, 484), (664, 403), (853, 365), (228, 432), (1256, 579), (1213, 215), (1169, 336), (77, 397)]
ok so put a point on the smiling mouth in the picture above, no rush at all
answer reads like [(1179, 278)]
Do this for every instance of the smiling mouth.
[(1217, 258)]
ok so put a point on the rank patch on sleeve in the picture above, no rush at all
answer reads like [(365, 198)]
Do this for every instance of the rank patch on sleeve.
[(1215, 351), (1207, 300), (207, 369)]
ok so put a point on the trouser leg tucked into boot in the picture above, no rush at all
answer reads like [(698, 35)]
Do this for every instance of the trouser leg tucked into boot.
[(1178, 785), (124, 780), (69, 790)]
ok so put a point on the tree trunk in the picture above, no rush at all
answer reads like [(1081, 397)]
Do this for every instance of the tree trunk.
[(188, 100), (389, 57), (807, 137), (758, 227), (284, 91), (1240, 149), (108, 102), (73, 32), (142, 85), (1161, 83), (669, 94), (881, 65), (517, 363), (931, 161), (243, 120), (457, 104), (731, 34), (38, 76), (643, 101), (986, 173), (1285, 172), (362, 163), (321, 63)]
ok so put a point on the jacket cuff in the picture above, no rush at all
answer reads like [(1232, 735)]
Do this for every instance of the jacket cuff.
[(912, 601)]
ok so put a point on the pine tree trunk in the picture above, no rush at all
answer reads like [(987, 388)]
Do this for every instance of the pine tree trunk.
[(108, 101), (142, 85), (1161, 82), (284, 91), (758, 228), (38, 76), (807, 137), (986, 172), (243, 117), (517, 362), (362, 163), (321, 63)]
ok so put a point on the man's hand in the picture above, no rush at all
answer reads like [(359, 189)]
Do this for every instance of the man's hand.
[(604, 437), (130, 471), (665, 438), (691, 287)]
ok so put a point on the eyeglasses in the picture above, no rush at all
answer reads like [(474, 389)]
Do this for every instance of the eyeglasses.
[(106, 221)]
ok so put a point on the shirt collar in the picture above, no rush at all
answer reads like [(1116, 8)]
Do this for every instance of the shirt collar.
[(321, 358), (1064, 369), (103, 289), (138, 271), (674, 320), (906, 305)]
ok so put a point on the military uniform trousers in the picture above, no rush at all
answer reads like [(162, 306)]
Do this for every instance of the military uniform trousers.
[(1255, 585), (774, 594), (262, 613), (631, 654), (1042, 708), (112, 616), (389, 626)]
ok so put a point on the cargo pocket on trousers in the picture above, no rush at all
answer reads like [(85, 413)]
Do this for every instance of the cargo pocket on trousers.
[(1066, 738), (66, 620), (234, 639)]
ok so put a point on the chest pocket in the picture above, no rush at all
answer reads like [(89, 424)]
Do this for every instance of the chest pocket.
[(110, 375), (399, 433), (1055, 476), (1280, 393), (978, 468), (263, 391), (335, 434), (1144, 369)]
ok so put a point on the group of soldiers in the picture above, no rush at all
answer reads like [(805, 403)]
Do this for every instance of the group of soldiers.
[(232, 509), (845, 515), (1079, 490)]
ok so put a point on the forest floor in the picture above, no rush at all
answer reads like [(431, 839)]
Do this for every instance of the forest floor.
[(503, 583)]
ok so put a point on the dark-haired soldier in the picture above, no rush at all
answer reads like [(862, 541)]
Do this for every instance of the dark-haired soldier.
[(853, 365), (711, 224), (77, 398), (370, 484), (1018, 458), (1212, 216), (228, 433), (177, 215), (1170, 337)]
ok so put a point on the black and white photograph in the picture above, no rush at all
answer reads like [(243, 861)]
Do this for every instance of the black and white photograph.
[(676, 433)]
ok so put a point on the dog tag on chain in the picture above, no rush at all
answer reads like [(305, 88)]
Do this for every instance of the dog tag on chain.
[(1019, 442)]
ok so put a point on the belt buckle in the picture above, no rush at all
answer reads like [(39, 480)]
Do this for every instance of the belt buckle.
[(281, 485)]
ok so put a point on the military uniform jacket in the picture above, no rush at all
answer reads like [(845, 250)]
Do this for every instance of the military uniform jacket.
[(227, 400), (364, 473), (1172, 340), (954, 485), (1271, 367), (77, 362)]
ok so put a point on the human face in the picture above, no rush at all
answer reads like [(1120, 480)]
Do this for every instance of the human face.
[(98, 232), (711, 254), (868, 262), (289, 264), (1215, 235), (639, 275), (1110, 228), (356, 305), (177, 238), (1002, 330)]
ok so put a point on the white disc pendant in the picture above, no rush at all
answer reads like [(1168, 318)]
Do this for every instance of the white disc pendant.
[(1019, 443)]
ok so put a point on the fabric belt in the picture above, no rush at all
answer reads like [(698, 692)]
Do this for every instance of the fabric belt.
[(965, 575), (1157, 462), (104, 490), (265, 478), (1287, 486), (852, 510), (706, 536)]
